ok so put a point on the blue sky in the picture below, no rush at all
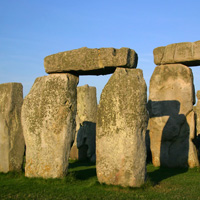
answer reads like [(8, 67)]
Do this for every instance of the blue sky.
[(33, 29)]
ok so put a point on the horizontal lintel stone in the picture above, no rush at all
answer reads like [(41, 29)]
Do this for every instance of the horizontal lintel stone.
[(187, 53), (86, 61)]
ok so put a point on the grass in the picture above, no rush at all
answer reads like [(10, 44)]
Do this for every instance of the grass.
[(81, 183)]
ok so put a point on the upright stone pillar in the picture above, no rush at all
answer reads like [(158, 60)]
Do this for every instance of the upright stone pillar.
[(197, 112), (197, 118), (84, 146), (48, 118), (172, 123), (121, 127), (11, 135)]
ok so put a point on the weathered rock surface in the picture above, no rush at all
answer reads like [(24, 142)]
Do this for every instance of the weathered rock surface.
[(121, 126), (48, 119), (85, 61), (172, 123), (197, 119), (11, 135), (187, 53), (86, 104), (197, 112), (84, 145)]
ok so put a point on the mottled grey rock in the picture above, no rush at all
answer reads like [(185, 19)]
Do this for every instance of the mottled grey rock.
[(187, 53), (11, 135), (84, 144), (121, 127), (85, 61), (48, 119), (172, 123), (86, 104)]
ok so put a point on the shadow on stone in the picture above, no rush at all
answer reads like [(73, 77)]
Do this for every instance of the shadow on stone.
[(196, 141), (86, 141), (174, 144), (148, 150), (24, 160)]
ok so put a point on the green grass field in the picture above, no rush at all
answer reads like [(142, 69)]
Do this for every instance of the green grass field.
[(81, 183)]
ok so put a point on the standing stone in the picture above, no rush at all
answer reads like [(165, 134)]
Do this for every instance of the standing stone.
[(11, 135), (172, 123), (197, 118), (197, 112), (48, 119), (121, 127), (86, 141), (84, 145)]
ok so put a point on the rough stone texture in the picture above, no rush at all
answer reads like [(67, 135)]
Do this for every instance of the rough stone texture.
[(197, 118), (86, 104), (84, 144), (11, 135), (171, 123), (187, 53), (85, 61), (48, 119), (198, 94), (121, 127), (197, 113)]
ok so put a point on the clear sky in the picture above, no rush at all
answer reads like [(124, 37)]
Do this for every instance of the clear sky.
[(33, 29)]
